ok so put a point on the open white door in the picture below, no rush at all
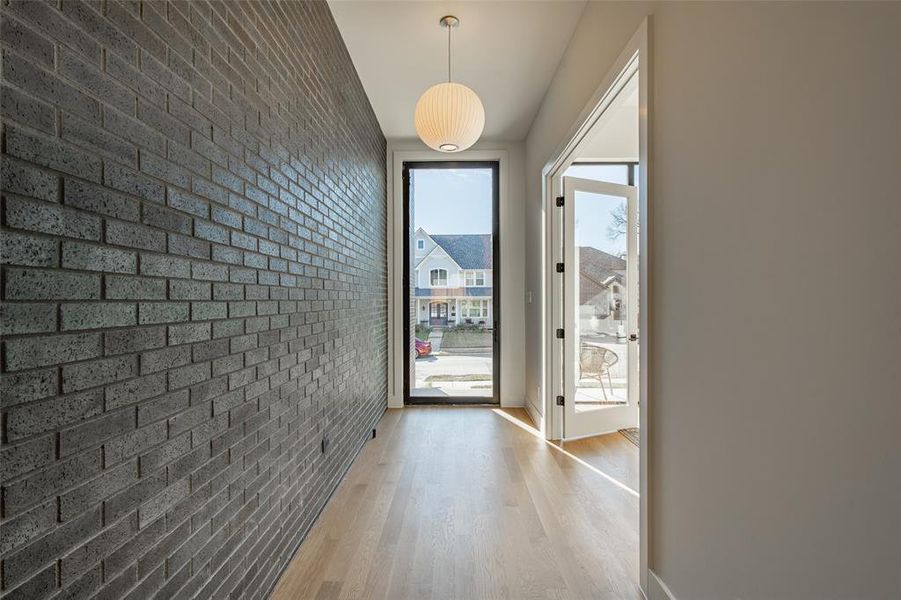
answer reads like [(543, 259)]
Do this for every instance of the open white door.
[(600, 307)]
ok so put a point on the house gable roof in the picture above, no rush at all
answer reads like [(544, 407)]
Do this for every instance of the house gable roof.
[(597, 271), (599, 265), (437, 250), (470, 251), (424, 232)]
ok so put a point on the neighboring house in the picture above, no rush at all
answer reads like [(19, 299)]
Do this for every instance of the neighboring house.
[(452, 276), (602, 279)]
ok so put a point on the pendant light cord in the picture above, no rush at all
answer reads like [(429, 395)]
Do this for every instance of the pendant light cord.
[(449, 54)]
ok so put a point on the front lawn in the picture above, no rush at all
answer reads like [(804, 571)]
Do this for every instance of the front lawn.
[(466, 337)]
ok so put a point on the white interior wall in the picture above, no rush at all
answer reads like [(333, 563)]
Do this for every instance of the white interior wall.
[(775, 151), (512, 201)]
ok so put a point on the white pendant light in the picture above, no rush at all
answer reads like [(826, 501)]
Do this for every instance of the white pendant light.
[(449, 116)]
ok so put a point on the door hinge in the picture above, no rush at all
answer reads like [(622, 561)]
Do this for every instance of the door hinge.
[(561, 401), (560, 334), (559, 267), (559, 200)]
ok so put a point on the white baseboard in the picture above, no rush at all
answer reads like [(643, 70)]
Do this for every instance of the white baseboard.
[(657, 590), (534, 413)]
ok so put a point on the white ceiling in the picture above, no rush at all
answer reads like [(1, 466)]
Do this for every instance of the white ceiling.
[(506, 51)]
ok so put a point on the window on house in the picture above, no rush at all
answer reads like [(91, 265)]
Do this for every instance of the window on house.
[(438, 277), (420, 244), (475, 278), (474, 308)]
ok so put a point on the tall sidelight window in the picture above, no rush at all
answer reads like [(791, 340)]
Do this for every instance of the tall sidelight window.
[(452, 290)]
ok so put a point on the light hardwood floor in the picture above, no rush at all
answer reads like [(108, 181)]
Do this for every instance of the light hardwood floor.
[(469, 503)]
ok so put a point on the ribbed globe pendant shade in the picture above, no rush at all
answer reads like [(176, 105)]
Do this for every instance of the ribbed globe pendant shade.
[(449, 116)]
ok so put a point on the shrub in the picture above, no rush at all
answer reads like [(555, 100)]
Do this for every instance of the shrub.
[(465, 327)]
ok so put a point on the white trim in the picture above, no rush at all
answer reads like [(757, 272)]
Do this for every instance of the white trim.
[(395, 199), (642, 39), (637, 49), (657, 590), (535, 415)]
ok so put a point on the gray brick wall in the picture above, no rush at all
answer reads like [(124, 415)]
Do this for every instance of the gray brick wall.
[(193, 292)]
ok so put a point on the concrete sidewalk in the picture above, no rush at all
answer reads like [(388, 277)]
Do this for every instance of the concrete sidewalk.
[(445, 364)]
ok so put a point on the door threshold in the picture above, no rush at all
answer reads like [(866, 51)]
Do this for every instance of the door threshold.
[(451, 401)]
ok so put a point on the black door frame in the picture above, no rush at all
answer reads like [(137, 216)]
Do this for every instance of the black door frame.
[(495, 282)]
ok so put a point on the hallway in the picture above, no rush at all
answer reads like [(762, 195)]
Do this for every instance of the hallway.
[(455, 502)]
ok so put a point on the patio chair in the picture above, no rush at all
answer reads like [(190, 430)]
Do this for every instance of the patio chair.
[(595, 362)]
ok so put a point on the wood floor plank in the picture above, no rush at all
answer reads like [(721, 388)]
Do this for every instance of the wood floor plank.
[(470, 503)]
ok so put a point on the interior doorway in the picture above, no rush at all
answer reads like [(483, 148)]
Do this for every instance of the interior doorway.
[(598, 346), (451, 282), (598, 296)]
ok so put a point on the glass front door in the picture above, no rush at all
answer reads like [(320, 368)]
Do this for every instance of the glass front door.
[(600, 307), (438, 314)]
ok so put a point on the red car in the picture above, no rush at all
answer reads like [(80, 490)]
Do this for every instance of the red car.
[(423, 348)]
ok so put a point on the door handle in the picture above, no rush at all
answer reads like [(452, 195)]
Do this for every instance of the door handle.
[(633, 337)]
